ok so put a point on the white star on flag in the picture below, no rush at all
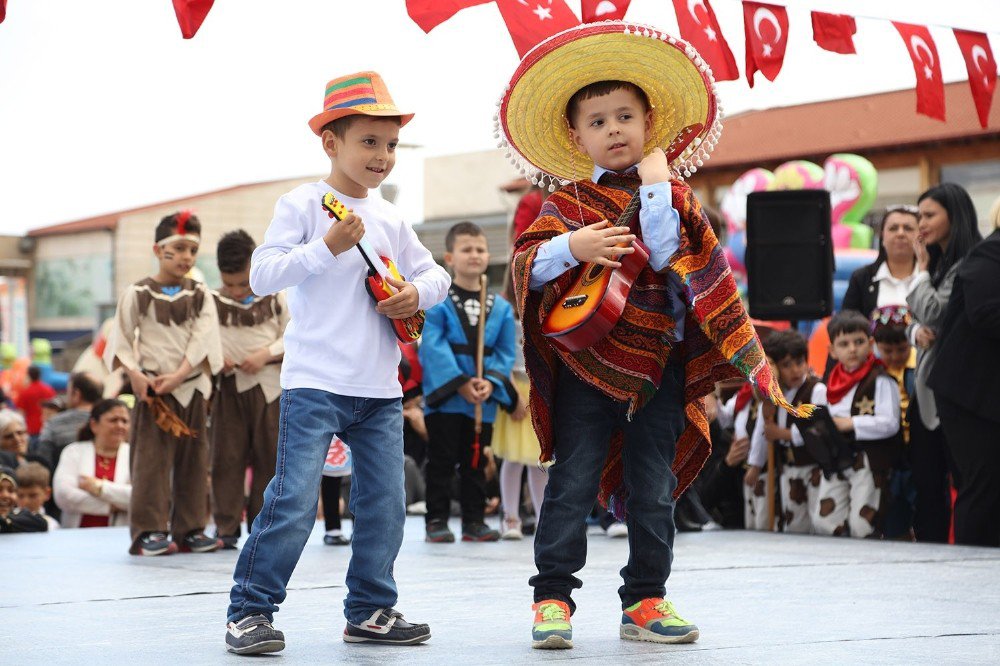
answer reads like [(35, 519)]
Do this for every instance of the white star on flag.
[(542, 12), (928, 72), (767, 49), (710, 34)]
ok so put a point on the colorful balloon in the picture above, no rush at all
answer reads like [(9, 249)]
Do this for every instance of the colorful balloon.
[(798, 175), (853, 185)]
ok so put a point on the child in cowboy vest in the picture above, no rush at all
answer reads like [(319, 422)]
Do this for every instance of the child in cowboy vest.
[(740, 414), (800, 474), (864, 403)]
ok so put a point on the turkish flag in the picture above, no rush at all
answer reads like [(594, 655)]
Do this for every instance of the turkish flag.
[(190, 14), (532, 22), (700, 28), (926, 66), (982, 69), (3, 10), (767, 35), (834, 32), (604, 10), (429, 14)]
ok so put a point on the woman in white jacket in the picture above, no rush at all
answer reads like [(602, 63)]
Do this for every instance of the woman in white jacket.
[(92, 483)]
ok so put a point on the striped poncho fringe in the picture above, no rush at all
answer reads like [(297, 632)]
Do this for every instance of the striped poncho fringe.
[(719, 340)]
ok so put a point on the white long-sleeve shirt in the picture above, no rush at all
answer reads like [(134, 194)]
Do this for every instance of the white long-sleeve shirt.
[(79, 459), (758, 443), (336, 341), (885, 419)]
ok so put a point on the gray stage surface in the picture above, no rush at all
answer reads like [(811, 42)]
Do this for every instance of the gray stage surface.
[(75, 596)]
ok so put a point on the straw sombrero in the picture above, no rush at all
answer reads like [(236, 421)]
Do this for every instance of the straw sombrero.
[(532, 123)]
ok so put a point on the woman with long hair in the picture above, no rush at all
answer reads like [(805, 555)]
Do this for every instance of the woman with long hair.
[(948, 230)]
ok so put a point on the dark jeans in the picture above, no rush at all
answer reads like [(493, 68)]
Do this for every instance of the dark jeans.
[(929, 464), (584, 420), (450, 438), (975, 447)]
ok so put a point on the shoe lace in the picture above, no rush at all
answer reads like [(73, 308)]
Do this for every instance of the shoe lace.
[(551, 612), (667, 608)]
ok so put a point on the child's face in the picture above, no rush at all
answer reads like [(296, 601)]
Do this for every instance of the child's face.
[(33, 497), (176, 258), (236, 285), (851, 349), (364, 157), (792, 371), (470, 257), (8, 497), (894, 354), (612, 129)]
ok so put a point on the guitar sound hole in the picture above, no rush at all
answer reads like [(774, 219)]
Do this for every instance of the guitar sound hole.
[(575, 301)]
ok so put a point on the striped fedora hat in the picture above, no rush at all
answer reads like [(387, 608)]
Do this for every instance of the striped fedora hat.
[(360, 93)]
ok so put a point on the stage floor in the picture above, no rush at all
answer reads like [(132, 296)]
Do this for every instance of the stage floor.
[(76, 596)]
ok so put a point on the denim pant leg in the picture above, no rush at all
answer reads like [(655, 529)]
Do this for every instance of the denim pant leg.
[(308, 420), (650, 443), (584, 419), (378, 503)]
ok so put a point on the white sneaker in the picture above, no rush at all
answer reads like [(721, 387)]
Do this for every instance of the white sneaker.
[(617, 531), (512, 530), (417, 509)]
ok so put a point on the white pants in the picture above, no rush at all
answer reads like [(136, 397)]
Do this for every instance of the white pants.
[(848, 502), (755, 504), (799, 497)]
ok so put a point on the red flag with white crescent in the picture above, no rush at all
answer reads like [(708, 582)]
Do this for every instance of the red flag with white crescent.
[(3, 10), (429, 14), (766, 36), (982, 68), (532, 21), (834, 32), (700, 28), (926, 66), (604, 10), (191, 14)]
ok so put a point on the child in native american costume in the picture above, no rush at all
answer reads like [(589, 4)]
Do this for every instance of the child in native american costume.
[(624, 417), (864, 404), (166, 336), (245, 402)]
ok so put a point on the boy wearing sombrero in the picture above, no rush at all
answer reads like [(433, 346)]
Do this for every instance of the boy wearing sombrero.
[(339, 375), (624, 418)]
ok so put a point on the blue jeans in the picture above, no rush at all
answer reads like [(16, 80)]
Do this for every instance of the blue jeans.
[(584, 419), (309, 419)]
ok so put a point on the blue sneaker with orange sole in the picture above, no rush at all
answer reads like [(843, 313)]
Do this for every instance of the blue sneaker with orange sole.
[(656, 621), (552, 629)]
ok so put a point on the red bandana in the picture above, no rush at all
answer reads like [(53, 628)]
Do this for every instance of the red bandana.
[(841, 381), (743, 397)]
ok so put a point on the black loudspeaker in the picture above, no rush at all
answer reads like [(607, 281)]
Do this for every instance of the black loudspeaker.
[(789, 256)]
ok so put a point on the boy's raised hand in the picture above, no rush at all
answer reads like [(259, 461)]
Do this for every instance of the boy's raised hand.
[(597, 243), (344, 234), (404, 303), (654, 168)]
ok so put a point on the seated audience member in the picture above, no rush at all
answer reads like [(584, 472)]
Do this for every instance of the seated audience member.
[(61, 429), (92, 483), (12, 517), (34, 489), (13, 438)]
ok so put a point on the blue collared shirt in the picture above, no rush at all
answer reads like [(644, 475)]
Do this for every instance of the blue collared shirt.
[(660, 225)]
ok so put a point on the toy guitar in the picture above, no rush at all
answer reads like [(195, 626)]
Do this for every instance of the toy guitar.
[(592, 306), (379, 269)]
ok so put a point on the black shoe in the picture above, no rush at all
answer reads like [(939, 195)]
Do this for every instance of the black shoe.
[(228, 542), (336, 540), (438, 532), (253, 635), (199, 542), (386, 626), (153, 543), (479, 532)]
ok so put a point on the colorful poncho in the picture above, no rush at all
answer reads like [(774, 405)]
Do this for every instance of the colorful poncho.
[(627, 365)]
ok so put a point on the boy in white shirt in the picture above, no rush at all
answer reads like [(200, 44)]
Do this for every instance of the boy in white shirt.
[(339, 375), (864, 404), (799, 472)]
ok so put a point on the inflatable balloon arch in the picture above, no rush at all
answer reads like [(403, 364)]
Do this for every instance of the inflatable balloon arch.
[(852, 183)]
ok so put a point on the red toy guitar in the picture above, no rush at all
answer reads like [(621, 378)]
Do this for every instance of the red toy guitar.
[(379, 268), (592, 306)]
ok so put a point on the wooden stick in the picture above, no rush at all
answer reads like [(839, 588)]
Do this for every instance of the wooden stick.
[(769, 489), (480, 345)]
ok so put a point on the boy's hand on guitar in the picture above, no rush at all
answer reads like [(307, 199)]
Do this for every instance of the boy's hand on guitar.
[(469, 391), (654, 168), (404, 303), (597, 243), (345, 234)]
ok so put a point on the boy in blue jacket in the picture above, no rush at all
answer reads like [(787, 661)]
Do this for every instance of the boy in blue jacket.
[(452, 390)]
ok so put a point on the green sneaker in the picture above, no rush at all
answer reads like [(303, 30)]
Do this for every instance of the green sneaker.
[(552, 630), (655, 620)]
